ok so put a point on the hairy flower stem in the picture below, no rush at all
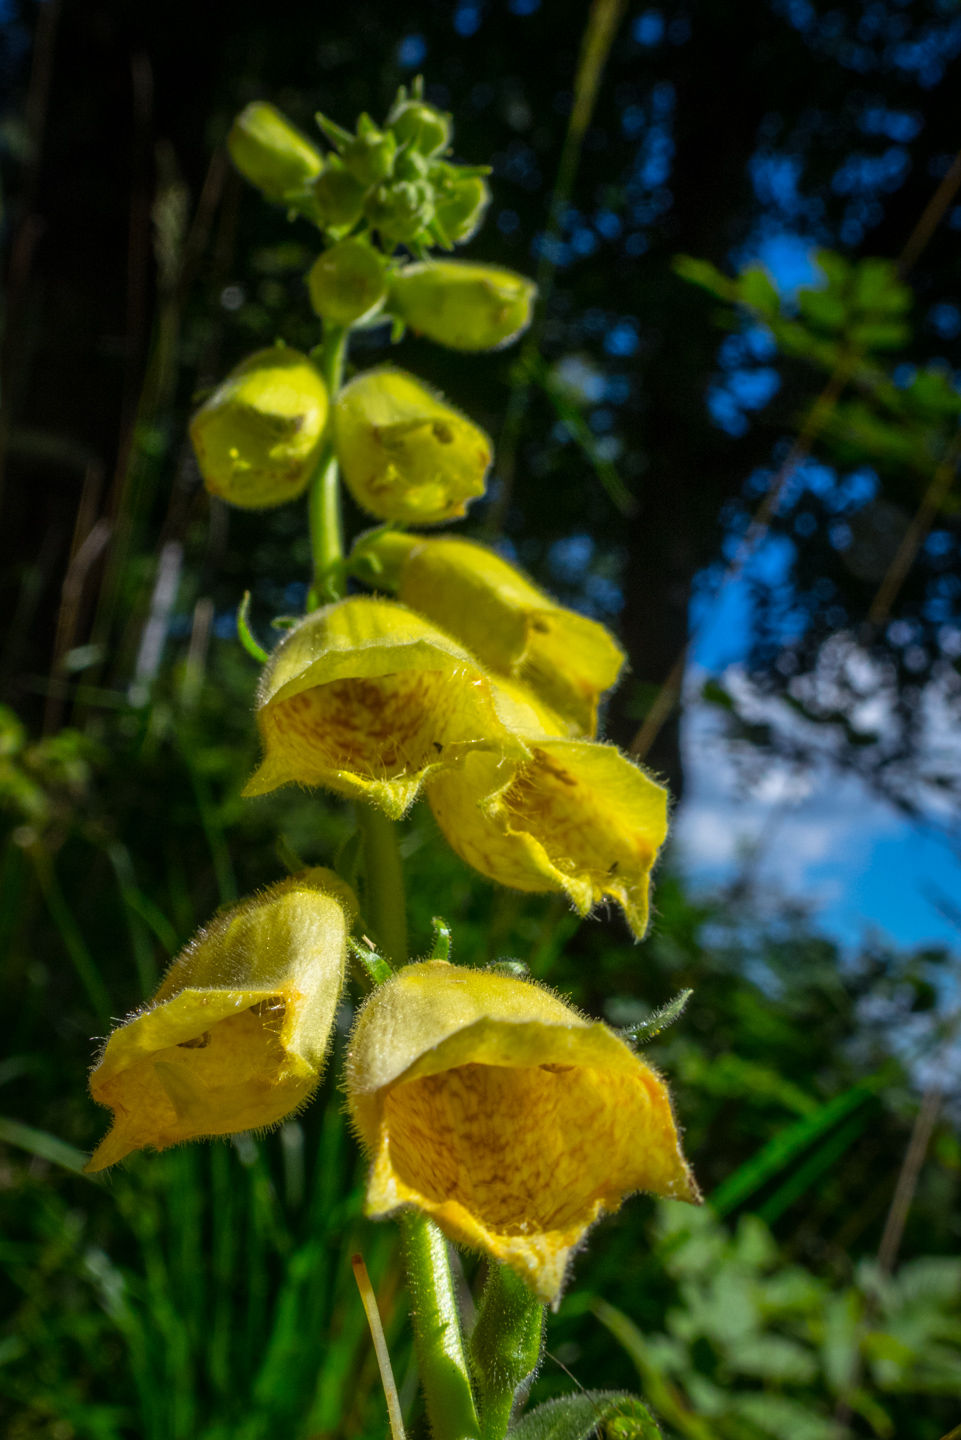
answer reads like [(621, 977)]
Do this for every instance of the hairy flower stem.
[(505, 1347), (326, 530), (385, 901), (437, 1333)]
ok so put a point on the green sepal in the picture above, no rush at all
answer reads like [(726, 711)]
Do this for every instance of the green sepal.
[(375, 967), (336, 134), (244, 634), (576, 1417), (442, 939), (645, 1030), (288, 856)]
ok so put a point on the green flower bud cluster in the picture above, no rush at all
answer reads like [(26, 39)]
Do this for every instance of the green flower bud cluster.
[(393, 179), (405, 454), (400, 184)]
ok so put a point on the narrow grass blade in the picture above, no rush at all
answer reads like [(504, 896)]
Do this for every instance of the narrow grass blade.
[(44, 1146), (780, 1151)]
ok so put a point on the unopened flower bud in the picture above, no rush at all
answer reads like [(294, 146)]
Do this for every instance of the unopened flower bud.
[(464, 306), (426, 129), (236, 1036), (369, 156), (338, 196), (270, 153), (407, 455), (510, 1119), (348, 283), (398, 212), (459, 207), (258, 436)]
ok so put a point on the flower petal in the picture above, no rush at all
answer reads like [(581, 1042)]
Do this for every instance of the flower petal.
[(578, 817)]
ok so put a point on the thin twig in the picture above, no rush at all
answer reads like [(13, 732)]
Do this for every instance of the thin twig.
[(908, 1179), (900, 1207), (380, 1347), (934, 498)]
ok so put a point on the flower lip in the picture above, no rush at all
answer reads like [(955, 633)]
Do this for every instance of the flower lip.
[(512, 1120)]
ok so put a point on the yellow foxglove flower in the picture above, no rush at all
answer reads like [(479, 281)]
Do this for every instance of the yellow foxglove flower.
[(370, 700), (258, 436), (271, 153), (513, 628), (406, 454), (514, 1122), (463, 305), (578, 817), (235, 1037)]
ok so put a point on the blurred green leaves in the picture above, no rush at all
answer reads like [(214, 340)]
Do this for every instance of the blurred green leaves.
[(756, 1345)]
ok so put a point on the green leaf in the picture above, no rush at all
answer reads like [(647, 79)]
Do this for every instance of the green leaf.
[(44, 1146), (703, 273), (576, 1417), (645, 1030), (715, 694), (757, 291)]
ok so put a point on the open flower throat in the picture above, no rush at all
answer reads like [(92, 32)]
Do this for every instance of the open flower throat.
[(514, 1122), (514, 1151), (380, 728), (369, 700)]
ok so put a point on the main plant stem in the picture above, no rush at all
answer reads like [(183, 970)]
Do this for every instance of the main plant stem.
[(437, 1333), (385, 903), (440, 1346), (326, 528)]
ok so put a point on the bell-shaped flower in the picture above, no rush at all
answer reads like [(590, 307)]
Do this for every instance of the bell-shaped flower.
[(462, 305), (258, 436), (513, 628), (514, 1122), (407, 455), (235, 1038), (270, 153), (370, 700), (577, 816)]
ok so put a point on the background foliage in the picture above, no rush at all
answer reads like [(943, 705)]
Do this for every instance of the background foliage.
[(206, 1292)]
